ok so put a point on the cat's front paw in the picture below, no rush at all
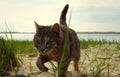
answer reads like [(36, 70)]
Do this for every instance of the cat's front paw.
[(46, 69), (61, 74), (43, 69)]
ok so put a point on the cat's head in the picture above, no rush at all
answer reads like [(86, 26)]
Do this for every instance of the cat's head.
[(48, 38)]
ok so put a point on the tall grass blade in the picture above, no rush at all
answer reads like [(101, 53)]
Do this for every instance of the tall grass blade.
[(65, 44), (8, 59)]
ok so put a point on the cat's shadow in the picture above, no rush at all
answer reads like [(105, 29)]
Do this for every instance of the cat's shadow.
[(69, 74), (75, 74)]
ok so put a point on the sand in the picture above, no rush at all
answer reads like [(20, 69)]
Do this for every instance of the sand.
[(98, 54)]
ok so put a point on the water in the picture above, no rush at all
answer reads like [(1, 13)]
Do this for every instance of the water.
[(86, 36), (99, 36)]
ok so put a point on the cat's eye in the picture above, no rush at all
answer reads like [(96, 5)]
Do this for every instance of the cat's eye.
[(47, 43)]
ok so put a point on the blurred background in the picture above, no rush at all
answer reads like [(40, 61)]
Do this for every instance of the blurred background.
[(87, 15)]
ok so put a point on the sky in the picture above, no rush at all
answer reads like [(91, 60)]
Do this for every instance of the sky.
[(87, 15)]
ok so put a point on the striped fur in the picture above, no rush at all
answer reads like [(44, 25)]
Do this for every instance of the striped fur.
[(49, 41)]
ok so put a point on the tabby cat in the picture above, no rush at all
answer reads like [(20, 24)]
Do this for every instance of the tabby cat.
[(49, 41)]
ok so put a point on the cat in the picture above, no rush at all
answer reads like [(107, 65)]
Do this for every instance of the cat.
[(49, 41)]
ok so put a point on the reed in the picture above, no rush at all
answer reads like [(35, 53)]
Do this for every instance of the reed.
[(65, 45), (8, 57)]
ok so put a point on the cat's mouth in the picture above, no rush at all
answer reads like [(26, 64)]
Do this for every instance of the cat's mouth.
[(48, 51)]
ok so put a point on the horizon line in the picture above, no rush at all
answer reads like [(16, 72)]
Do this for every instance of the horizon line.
[(76, 32)]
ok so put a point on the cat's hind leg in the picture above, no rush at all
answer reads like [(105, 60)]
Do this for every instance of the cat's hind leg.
[(76, 64), (64, 67), (40, 63)]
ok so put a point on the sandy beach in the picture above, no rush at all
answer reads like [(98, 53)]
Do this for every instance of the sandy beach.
[(102, 58)]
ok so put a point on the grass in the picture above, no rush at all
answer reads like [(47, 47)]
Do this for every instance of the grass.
[(86, 43), (65, 45), (98, 58), (24, 47), (9, 49), (8, 58)]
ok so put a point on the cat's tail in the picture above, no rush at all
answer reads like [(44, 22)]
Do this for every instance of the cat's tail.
[(63, 15)]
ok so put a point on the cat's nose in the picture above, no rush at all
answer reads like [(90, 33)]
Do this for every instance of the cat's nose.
[(42, 48)]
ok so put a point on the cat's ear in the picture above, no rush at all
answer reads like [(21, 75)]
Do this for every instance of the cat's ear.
[(56, 27), (36, 24)]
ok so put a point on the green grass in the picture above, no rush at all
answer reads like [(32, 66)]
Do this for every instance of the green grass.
[(23, 47), (10, 50), (98, 58), (65, 45), (8, 58), (86, 43)]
